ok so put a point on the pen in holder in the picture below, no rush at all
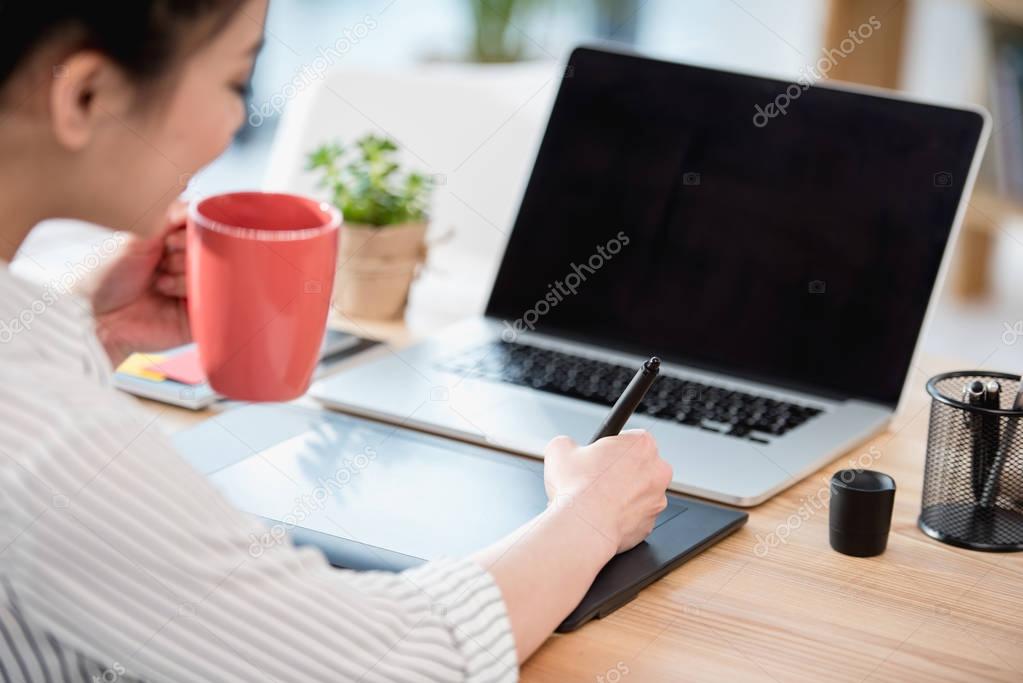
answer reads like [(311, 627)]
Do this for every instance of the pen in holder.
[(973, 478)]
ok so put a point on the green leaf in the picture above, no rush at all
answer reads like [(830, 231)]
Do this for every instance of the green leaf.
[(366, 183)]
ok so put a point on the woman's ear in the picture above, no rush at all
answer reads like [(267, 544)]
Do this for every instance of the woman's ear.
[(87, 90)]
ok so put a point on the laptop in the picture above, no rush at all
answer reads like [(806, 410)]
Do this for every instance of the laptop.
[(371, 496), (778, 251)]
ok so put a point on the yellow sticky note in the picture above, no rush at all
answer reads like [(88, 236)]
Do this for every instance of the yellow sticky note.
[(137, 365)]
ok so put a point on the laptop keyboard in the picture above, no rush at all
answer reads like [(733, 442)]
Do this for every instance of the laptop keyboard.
[(702, 406)]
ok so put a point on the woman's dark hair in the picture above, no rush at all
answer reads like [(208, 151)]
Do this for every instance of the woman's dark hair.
[(141, 36)]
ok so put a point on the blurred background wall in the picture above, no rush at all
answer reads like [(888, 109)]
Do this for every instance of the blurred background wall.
[(959, 51)]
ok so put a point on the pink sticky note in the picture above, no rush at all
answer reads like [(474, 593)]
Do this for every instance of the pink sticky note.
[(183, 368)]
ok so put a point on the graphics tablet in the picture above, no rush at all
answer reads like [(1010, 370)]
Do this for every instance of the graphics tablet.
[(374, 496)]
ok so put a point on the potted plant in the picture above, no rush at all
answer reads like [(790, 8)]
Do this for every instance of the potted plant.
[(493, 39), (383, 235), (497, 26)]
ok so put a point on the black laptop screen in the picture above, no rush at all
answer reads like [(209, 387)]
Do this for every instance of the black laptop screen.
[(666, 216)]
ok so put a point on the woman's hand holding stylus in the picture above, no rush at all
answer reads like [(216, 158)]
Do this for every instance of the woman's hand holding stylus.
[(604, 499), (616, 484)]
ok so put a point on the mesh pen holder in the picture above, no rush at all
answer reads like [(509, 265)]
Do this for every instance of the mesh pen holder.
[(973, 479)]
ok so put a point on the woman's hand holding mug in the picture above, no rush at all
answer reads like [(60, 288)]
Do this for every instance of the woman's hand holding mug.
[(138, 299)]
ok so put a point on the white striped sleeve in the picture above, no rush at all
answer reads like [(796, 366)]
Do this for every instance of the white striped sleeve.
[(120, 551)]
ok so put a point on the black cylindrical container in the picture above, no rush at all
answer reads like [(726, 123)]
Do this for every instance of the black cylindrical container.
[(861, 512), (973, 478)]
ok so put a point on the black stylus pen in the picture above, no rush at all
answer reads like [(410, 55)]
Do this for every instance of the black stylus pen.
[(627, 403)]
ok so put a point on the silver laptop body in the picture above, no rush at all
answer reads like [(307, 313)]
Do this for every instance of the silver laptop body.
[(851, 387)]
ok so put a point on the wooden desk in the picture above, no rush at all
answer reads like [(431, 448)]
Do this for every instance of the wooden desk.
[(744, 611), (797, 611)]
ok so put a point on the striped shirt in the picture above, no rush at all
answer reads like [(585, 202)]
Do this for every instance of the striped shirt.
[(119, 562)]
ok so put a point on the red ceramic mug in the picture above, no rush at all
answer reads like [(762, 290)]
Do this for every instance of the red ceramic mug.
[(260, 269)]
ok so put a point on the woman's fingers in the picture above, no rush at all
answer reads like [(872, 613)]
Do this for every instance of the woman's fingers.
[(560, 445), (177, 213), (173, 263), (171, 285), (173, 235), (175, 239), (171, 278)]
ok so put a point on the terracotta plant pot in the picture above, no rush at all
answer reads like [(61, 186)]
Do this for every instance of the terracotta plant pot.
[(375, 268)]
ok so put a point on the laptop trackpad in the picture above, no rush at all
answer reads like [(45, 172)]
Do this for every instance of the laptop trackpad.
[(513, 416), (390, 489)]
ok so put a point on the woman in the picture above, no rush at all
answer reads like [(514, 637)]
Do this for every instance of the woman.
[(118, 562)]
